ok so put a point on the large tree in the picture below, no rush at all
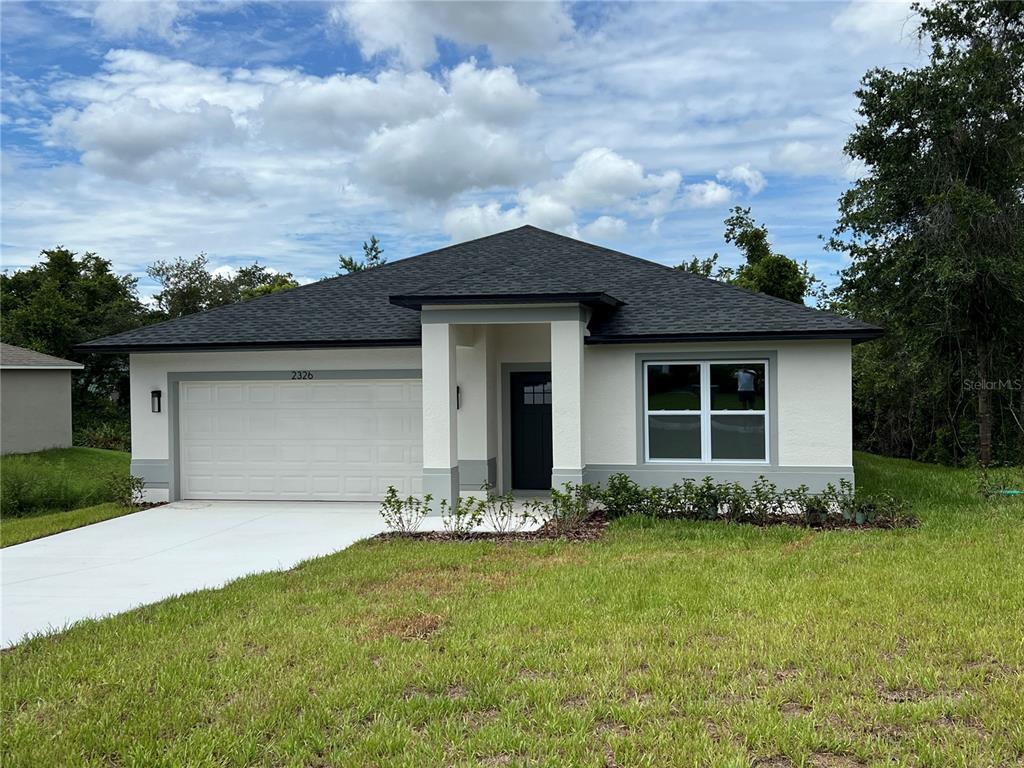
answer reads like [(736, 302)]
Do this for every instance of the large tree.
[(188, 285), (763, 270), (373, 256), (935, 230), (64, 300)]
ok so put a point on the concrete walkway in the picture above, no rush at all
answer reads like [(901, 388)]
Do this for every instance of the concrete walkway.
[(142, 558)]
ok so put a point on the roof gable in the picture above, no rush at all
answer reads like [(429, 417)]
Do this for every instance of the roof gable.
[(372, 308)]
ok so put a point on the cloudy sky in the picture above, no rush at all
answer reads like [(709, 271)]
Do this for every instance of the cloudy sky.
[(289, 132)]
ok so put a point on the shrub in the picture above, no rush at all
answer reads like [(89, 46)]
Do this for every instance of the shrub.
[(111, 435), (570, 507), (499, 511), (125, 490), (403, 515), (464, 517)]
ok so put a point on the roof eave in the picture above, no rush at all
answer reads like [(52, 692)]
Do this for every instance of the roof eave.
[(589, 298), (248, 346), (855, 335)]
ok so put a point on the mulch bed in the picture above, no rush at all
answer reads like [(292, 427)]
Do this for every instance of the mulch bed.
[(590, 529)]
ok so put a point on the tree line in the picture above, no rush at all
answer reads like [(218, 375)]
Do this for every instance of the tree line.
[(66, 299)]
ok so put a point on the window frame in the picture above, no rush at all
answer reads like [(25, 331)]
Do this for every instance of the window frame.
[(705, 413)]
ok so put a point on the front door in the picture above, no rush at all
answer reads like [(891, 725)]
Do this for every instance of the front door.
[(531, 430)]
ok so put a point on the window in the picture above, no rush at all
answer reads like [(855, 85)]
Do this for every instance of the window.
[(706, 411), (537, 394)]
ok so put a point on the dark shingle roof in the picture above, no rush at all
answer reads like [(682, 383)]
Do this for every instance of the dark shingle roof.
[(657, 302), (19, 357)]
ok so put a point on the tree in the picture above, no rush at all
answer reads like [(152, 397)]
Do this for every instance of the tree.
[(935, 231), (764, 271), (188, 286), (373, 256), (65, 300)]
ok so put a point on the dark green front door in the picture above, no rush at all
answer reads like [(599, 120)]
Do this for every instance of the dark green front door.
[(531, 430)]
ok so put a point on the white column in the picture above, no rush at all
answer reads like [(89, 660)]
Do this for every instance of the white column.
[(567, 401), (440, 430)]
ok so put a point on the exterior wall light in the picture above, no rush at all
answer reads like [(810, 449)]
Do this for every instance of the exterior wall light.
[(154, 399), (458, 398)]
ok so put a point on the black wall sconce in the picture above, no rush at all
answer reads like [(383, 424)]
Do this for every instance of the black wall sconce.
[(458, 398), (154, 399)]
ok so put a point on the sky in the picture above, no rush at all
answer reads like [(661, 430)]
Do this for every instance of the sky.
[(289, 132)]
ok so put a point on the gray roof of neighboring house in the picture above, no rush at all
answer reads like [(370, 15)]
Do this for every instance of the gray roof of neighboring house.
[(635, 300), (19, 357)]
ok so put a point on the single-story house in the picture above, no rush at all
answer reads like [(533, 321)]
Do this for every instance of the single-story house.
[(35, 400), (525, 359)]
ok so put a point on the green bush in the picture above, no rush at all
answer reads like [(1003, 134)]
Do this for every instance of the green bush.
[(109, 435), (125, 489), (762, 504), (403, 515)]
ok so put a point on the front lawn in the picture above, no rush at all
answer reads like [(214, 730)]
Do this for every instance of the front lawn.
[(674, 643), (16, 530)]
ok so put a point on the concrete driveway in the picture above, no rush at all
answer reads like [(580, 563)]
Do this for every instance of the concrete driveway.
[(120, 564)]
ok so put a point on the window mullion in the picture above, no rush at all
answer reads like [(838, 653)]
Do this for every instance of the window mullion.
[(705, 412)]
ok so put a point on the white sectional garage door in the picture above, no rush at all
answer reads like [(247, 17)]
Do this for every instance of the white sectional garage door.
[(322, 440)]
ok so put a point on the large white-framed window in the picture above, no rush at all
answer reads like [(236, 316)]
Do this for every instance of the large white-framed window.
[(706, 411)]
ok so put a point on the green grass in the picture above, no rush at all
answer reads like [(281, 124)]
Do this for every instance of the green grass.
[(16, 530), (665, 644), (57, 479)]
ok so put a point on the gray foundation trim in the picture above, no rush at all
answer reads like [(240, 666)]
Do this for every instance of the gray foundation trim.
[(525, 314), (506, 416), (175, 377), (561, 476), (473, 473), (155, 473), (695, 356), (441, 483), (815, 478)]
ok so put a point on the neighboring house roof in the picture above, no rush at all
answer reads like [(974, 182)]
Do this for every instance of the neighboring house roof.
[(12, 357), (639, 300)]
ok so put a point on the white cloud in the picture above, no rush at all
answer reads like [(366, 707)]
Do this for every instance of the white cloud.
[(128, 18), (749, 177), (875, 22), (342, 109), (441, 156), (410, 28), (605, 228), (599, 179), (492, 95), (705, 194), (806, 158)]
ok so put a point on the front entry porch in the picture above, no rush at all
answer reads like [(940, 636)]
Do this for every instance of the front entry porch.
[(502, 398)]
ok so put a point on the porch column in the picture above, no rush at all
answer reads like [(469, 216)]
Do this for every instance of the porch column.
[(440, 435), (567, 401)]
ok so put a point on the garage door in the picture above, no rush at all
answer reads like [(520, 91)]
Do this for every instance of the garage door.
[(324, 440)]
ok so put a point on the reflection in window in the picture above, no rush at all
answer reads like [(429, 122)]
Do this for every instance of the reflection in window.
[(673, 387), (737, 386)]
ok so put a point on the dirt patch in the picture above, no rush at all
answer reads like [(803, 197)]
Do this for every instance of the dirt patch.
[(481, 717), (793, 709), (775, 761), (789, 673), (418, 627), (607, 727), (796, 546), (575, 702), (492, 761), (913, 695), (835, 760), (591, 529), (455, 693)]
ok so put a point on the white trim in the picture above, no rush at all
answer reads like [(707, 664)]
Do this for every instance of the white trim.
[(706, 413)]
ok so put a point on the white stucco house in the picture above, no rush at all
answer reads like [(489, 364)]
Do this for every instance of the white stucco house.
[(35, 400), (525, 359)]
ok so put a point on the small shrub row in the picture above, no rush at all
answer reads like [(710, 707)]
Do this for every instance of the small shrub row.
[(762, 504), (571, 506), (112, 436)]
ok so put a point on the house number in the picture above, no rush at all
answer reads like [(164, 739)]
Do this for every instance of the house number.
[(301, 375)]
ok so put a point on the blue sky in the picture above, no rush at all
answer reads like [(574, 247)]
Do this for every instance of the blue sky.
[(289, 132)]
